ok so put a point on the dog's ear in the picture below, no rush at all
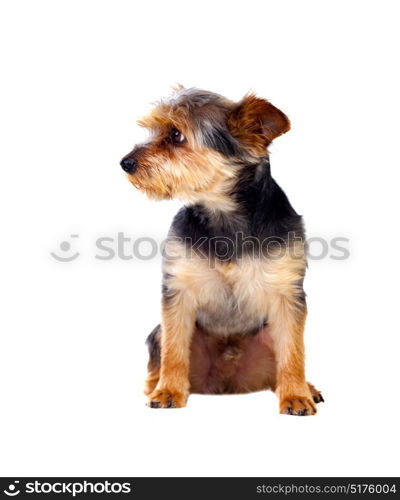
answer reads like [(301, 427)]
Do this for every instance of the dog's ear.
[(256, 123)]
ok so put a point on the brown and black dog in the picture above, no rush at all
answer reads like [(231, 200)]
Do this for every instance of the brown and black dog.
[(233, 305)]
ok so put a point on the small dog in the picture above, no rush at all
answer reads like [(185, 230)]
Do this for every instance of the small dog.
[(233, 305)]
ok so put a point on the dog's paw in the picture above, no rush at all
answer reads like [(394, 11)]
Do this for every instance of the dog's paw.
[(297, 405), (166, 398), (316, 395)]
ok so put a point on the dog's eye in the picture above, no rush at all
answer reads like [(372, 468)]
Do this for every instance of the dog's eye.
[(176, 136)]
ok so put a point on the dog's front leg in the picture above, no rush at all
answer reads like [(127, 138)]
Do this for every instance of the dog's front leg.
[(287, 319), (178, 321)]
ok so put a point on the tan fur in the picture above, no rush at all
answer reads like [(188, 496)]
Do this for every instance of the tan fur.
[(241, 319), (256, 123), (256, 283), (191, 173), (178, 319), (259, 286)]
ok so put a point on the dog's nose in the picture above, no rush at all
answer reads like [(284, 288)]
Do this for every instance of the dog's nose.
[(128, 164)]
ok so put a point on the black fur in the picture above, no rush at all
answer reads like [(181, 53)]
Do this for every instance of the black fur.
[(221, 140), (153, 343), (264, 217)]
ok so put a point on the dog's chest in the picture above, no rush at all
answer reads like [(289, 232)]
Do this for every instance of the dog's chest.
[(233, 300), (231, 297)]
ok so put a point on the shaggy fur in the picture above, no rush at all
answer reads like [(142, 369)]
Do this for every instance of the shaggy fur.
[(233, 305)]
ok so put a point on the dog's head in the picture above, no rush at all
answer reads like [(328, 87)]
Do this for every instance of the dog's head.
[(198, 142)]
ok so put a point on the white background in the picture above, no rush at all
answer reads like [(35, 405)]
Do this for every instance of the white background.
[(75, 77)]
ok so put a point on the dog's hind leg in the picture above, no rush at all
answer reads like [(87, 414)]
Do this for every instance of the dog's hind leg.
[(153, 366)]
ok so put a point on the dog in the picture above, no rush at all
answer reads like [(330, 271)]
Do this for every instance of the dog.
[(233, 304)]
